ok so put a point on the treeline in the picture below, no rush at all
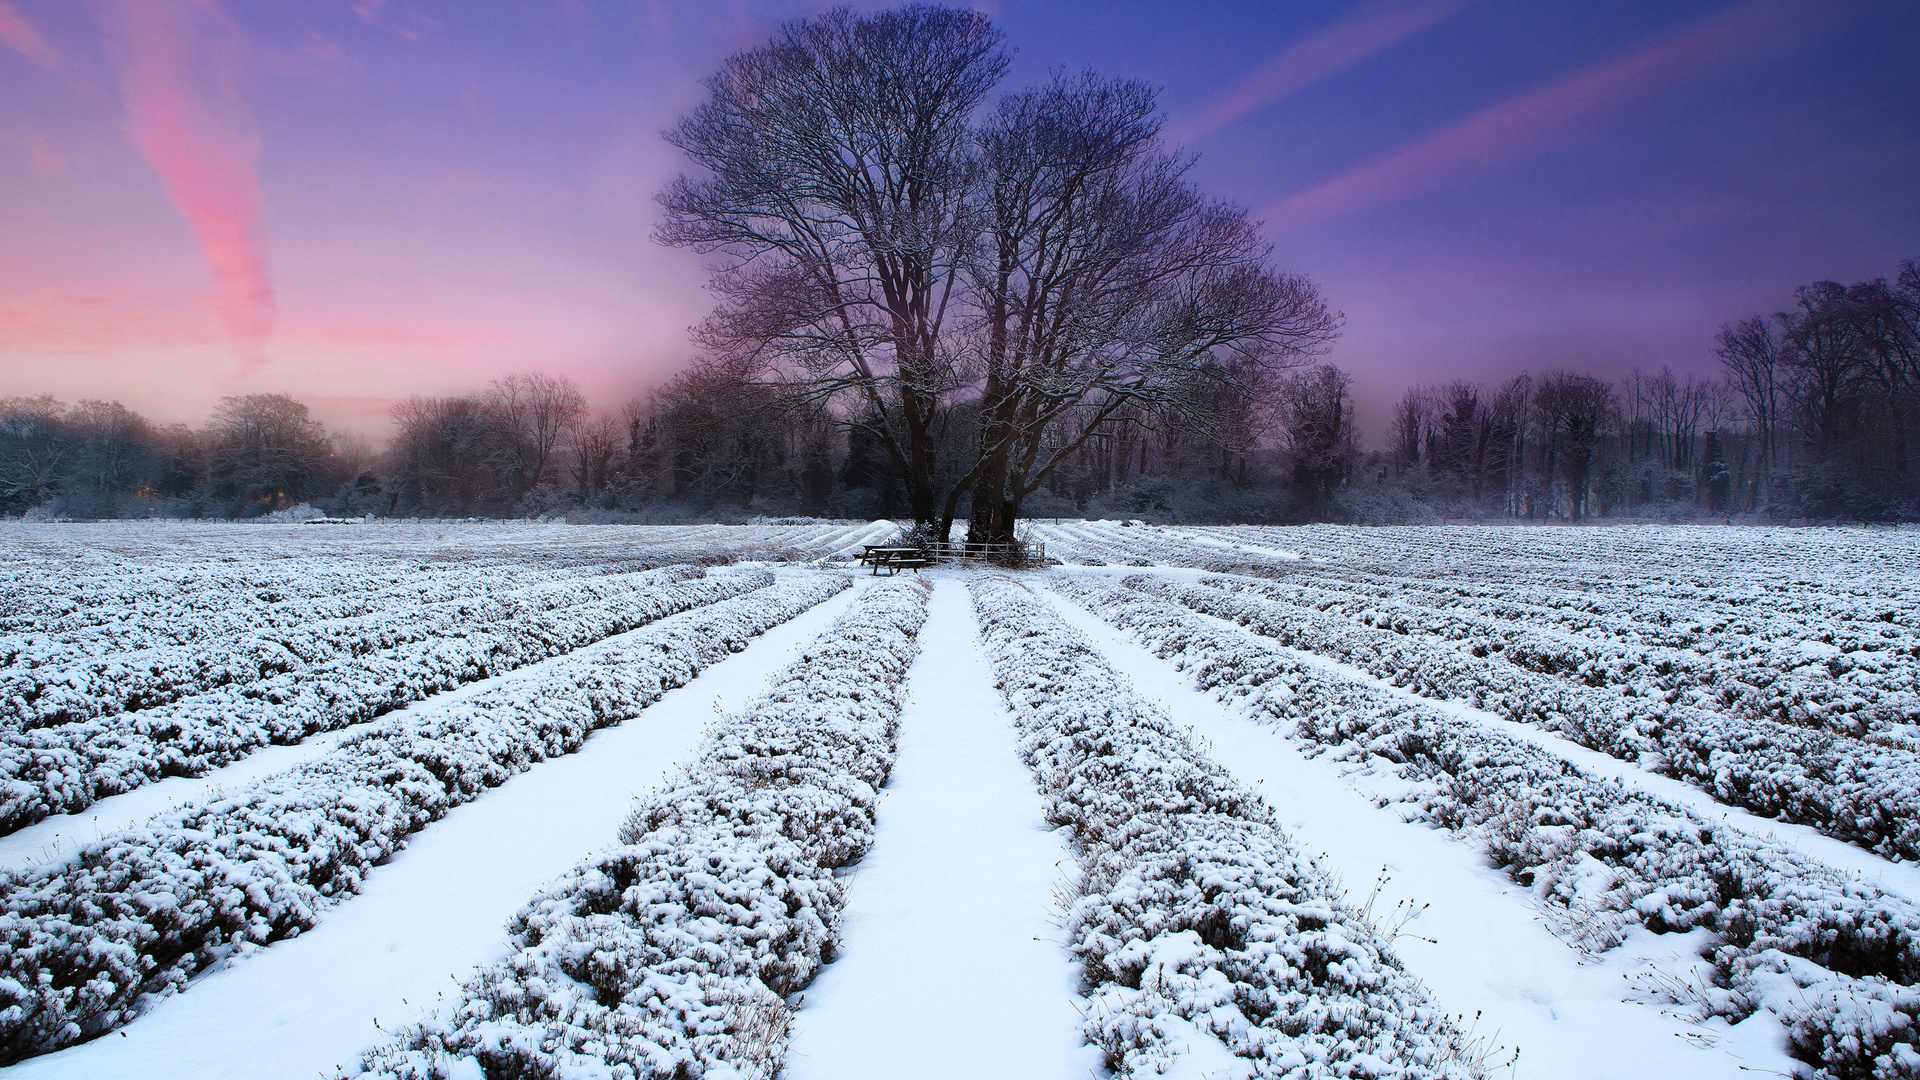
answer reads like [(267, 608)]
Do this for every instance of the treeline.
[(1810, 420), (99, 459)]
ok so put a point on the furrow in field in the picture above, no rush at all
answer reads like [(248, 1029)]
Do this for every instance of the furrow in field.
[(1478, 942), (89, 943), (948, 932), (386, 958)]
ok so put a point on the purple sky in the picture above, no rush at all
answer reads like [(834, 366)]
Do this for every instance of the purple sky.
[(357, 200)]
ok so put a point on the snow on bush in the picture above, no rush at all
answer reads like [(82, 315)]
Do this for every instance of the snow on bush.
[(88, 943), (64, 769), (1197, 918), (674, 955), (1856, 679), (50, 694), (1834, 957), (1849, 789)]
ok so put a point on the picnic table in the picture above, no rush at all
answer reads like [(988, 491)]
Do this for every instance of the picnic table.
[(895, 559)]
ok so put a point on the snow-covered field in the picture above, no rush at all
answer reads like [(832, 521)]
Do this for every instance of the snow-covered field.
[(453, 800)]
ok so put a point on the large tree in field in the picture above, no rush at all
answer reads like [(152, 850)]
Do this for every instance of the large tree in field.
[(836, 203), (1049, 268), (1104, 279)]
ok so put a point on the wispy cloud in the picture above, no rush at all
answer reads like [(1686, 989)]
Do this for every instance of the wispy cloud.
[(1368, 29), (87, 324), (19, 35), (179, 63), (72, 324), (1501, 132)]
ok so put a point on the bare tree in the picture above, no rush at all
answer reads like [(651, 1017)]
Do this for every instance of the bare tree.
[(1052, 271), (34, 448), (1319, 429), (1412, 419), (531, 414), (837, 207), (1104, 280), (1750, 351), (112, 452), (267, 452), (1576, 412), (595, 445), (438, 461)]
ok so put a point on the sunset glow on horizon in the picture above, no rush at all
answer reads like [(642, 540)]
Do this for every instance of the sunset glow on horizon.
[(353, 201)]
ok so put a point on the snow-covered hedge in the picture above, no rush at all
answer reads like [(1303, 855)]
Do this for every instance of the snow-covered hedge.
[(87, 943), (1856, 791), (64, 769), (1197, 918), (1834, 957), (1860, 682), (672, 956), (46, 695), (140, 606)]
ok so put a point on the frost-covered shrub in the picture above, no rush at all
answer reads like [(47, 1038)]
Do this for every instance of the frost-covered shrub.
[(1197, 918), (1834, 957), (1854, 677), (671, 957), (86, 944), (41, 691), (64, 769), (1855, 791)]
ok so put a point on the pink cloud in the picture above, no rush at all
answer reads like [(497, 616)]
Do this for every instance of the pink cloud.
[(1503, 131), (431, 339), (80, 324), (179, 67), (18, 34), (40, 153), (70, 324), (1362, 32)]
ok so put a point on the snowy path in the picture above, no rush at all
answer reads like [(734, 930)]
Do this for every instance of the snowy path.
[(950, 962), (300, 1008), (1494, 956), (1899, 878)]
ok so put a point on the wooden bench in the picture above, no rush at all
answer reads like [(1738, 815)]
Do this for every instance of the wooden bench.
[(895, 559)]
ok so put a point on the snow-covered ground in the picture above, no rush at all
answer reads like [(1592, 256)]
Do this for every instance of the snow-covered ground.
[(951, 961), (1757, 687)]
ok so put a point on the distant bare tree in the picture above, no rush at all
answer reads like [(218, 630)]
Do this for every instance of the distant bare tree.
[(267, 452), (112, 452), (438, 461), (596, 444), (1576, 411), (531, 414), (1750, 352), (34, 448), (1319, 429), (1412, 418)]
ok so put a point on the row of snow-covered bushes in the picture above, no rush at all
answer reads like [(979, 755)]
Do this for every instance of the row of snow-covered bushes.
[(1852, 790), (48, 596), (673, 955), (1197, 918), (49, 695), (1868, 691), (1632, 604), (64, 769), (1835, 958), (89, 942), (160, 606)]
